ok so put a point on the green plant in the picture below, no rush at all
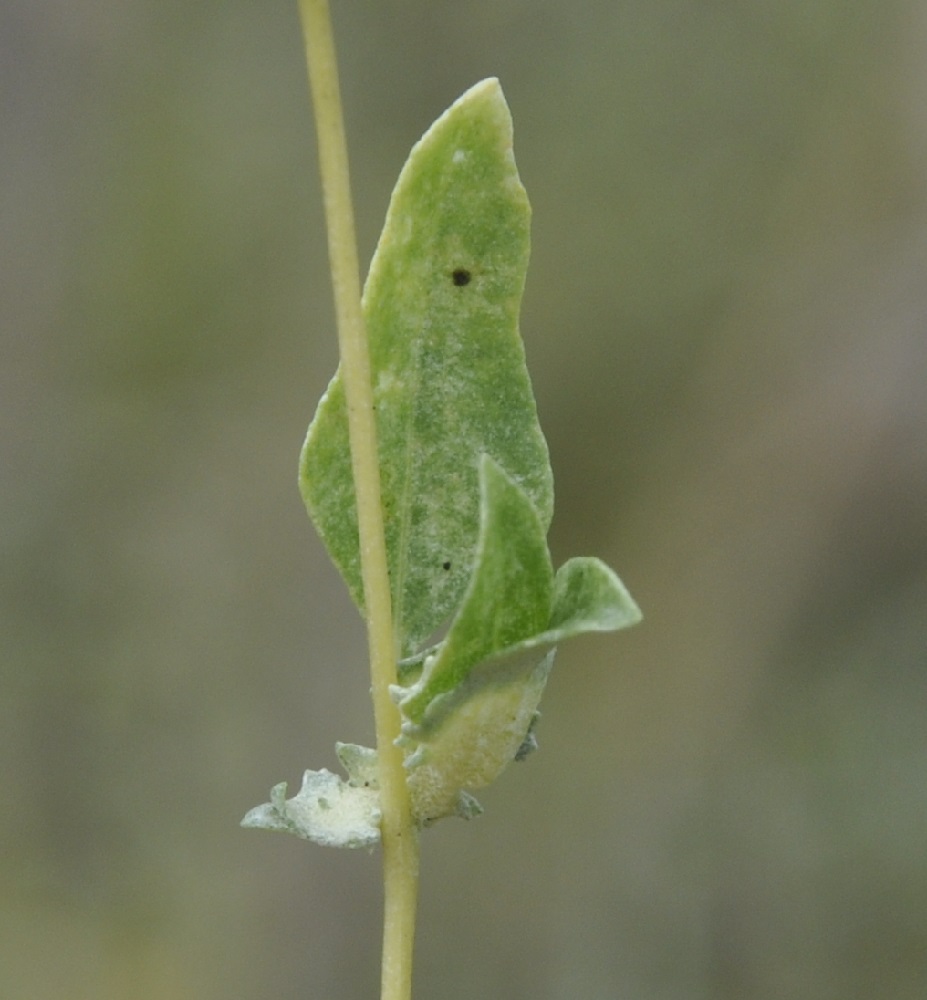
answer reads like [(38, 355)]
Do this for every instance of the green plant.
[(427, 476)]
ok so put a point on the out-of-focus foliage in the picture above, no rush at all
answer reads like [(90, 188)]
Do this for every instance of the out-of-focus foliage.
[(727, 308)]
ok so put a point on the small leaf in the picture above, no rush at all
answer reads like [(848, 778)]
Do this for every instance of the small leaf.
[(471, 703), (441, 305)]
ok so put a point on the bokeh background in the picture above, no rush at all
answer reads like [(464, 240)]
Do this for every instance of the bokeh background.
[(726, 323)]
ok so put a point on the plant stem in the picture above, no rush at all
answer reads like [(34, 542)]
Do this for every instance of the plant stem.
[(398, 833)]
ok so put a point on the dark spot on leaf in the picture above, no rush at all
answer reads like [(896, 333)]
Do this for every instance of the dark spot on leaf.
[(446, 564), (461, 276)]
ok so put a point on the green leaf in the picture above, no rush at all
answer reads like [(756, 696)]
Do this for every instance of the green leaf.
[(441, 305)]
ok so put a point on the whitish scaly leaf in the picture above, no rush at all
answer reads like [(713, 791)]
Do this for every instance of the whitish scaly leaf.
[(327, 810), (441, 304), (509, 596)]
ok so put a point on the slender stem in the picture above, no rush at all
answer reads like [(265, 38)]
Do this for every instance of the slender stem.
[(397, 829)]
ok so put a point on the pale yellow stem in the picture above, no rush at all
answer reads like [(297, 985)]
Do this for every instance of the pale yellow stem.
[(398, 833)]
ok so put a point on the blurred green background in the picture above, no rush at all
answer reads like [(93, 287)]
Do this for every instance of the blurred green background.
[(726, 323)]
